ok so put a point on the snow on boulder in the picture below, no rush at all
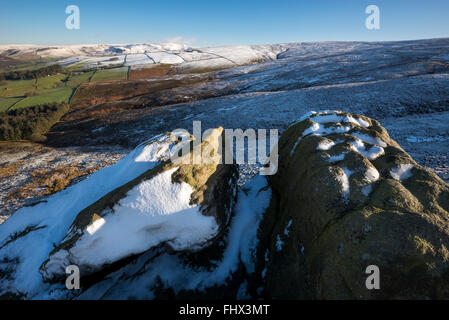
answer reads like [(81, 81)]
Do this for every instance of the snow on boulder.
[(30, 234), (351, 198), (218, 271), (180, 206)]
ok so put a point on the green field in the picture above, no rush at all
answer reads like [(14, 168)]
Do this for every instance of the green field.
[(46, 96), (28, 64), (16, 88), (110, 74), (78, 79), (54, 81), (49, 89), (56, 88), (5, 103)]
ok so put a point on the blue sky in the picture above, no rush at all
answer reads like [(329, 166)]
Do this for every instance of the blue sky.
[(212, 22)]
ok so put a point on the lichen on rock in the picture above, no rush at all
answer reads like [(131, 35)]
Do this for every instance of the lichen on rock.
[(355, 198)]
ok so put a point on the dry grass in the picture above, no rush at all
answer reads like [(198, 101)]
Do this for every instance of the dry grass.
[(9, 169), (151, 72), (47, 182)]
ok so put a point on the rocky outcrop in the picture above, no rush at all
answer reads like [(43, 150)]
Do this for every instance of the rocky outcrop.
[(178, 205), (346, 196)]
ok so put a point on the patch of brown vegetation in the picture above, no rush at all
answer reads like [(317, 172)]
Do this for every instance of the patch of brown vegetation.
[(6, 62), (199, 70), (11, 148), (103, 92), (436, 66), (76, 127), (7, 170), (161, 70), (151, 72), (46, 182)]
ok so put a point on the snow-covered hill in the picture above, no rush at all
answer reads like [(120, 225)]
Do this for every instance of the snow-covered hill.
[(141, 54)]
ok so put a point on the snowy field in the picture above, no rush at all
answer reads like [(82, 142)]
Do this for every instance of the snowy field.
[(404, 85), (147, 54)]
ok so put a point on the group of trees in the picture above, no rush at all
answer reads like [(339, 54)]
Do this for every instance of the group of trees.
[(30, 123), (31, 74)]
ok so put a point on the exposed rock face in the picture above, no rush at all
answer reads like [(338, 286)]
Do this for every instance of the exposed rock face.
[(181, 206), (346, 196)]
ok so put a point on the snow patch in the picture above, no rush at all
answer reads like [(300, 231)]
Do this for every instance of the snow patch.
[(318, 130), (279, 243), (338, 118), (95, 226), (369, 139), (338, 157), (287, 228), (344, 181), (329, 116), (372, 175), (402, 172), (325, 144), (372, 154)]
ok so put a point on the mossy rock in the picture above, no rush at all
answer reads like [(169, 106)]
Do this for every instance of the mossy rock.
[(354, 198)]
